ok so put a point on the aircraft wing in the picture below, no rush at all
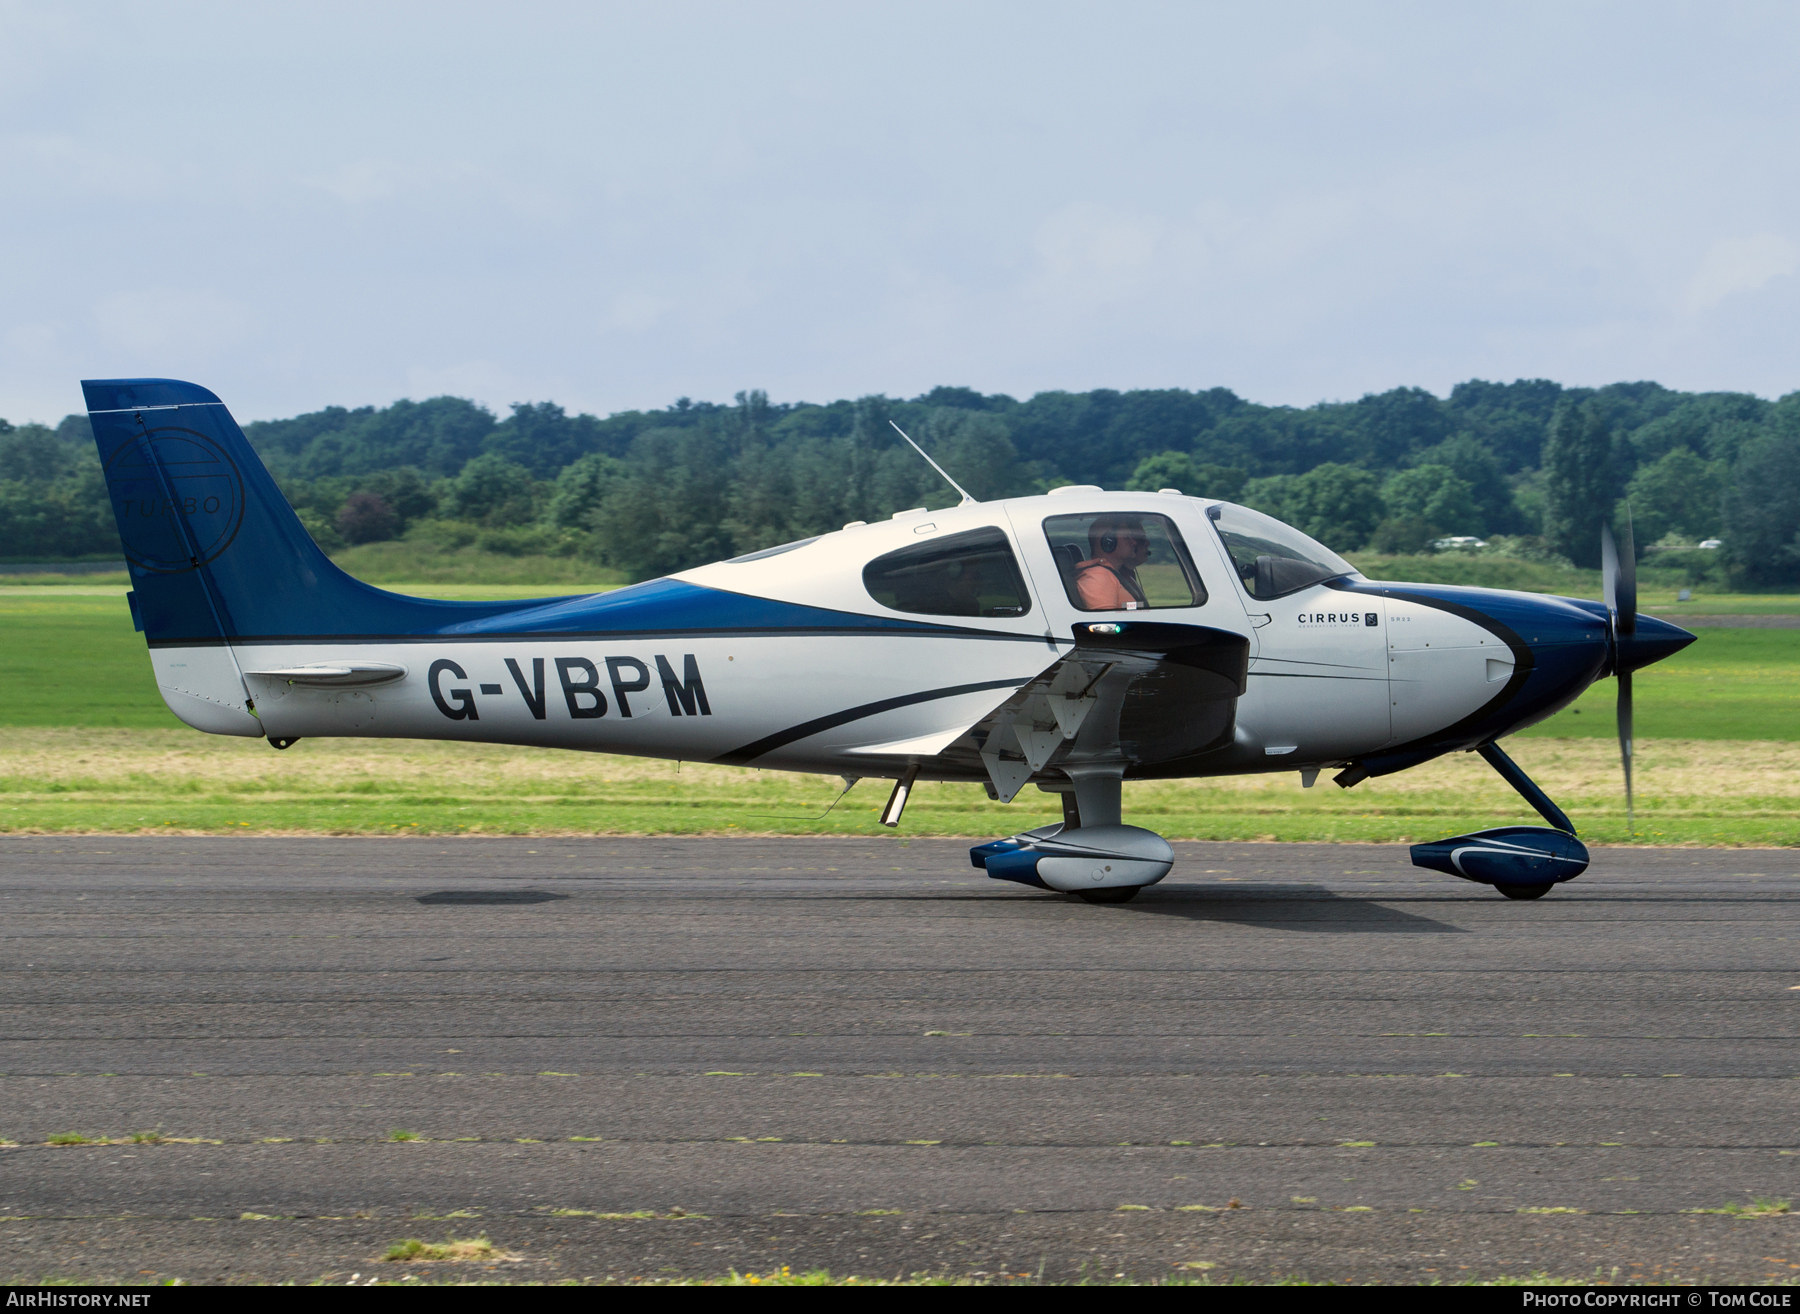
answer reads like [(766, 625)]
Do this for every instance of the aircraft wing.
[(1126, 694)]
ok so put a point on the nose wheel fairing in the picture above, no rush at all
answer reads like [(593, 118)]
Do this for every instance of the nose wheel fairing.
[(1507, 856)]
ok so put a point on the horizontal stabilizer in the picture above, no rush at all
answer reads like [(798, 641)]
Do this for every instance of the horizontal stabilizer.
[(336, 675)]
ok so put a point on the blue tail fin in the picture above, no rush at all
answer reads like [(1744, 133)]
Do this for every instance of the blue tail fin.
[(216, 554)]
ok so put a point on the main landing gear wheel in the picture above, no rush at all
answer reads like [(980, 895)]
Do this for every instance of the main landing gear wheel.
[(1524, 891), (1111, 894)]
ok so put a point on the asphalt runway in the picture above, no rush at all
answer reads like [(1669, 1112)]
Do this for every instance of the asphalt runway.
[(864, 1055)]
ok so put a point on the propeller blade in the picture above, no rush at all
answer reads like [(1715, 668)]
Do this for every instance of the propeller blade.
[(1609, 573), (1626, 590), (1625, 744)]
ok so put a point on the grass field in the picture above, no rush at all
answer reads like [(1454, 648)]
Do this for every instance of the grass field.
[(177, 781), (88, 746)]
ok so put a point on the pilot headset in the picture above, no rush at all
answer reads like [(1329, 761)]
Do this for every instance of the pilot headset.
[(1109, 541)]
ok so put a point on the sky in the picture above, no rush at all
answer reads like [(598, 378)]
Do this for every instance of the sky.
[(612, 206)]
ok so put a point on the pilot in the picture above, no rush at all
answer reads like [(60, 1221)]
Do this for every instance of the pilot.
[(1107, 580)]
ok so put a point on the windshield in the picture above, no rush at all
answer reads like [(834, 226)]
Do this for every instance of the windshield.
[(1271, 558)]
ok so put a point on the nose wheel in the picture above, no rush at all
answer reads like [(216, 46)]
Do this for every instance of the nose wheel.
[(1524, 891)]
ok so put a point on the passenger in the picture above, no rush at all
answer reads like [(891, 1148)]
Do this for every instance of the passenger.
[(1107, 581)]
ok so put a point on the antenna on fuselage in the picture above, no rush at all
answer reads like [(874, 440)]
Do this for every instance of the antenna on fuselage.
[(966, 499)]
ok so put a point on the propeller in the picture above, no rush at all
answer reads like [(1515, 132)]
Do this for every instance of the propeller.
[(1618, 572)]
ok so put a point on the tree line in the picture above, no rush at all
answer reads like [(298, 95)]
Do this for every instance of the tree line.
[(1531, 463)]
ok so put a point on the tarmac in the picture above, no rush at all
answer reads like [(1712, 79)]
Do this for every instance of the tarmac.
[(639, 1058)]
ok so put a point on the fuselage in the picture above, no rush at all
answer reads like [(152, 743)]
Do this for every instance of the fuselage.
[(818, 657)]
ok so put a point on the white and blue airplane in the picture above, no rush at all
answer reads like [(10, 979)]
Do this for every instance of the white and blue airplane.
[(1071, 641)]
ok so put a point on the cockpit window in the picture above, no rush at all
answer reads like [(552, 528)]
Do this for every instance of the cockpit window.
[(1271, 558), (1114, 561), (968, 574)]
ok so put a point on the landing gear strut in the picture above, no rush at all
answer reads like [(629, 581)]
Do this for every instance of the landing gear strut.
[(1522, 862)]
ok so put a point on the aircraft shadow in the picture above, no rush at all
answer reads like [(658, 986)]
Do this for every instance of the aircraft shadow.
[(489, 896), (1311, 908)]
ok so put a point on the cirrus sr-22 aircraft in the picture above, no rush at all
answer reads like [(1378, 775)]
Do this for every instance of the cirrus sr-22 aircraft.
[(1070, 641)]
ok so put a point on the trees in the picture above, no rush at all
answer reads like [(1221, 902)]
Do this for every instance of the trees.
[(975, 448), (1762, 511), (658, 489), (437, 436), (1423, 504), (1166, 470), (1434, 494), (580, 489), (367, 518), (1340, 505), (1389, 426), (1580, 481), (494, 492), (669, 510), (542, 437), (1495, 511), (1507, 419), (52, 500), (1196, 479), (1678, 494)]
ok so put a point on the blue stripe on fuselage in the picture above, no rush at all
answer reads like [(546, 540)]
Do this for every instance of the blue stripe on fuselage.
[(659, 607)]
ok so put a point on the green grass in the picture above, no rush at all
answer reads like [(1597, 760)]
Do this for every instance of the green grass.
[(399, 562), (385, 563), (73, 659), (1654, 594), (1480, 572), (1662, 602), (118, 577), (75, 780), (1727, 684)]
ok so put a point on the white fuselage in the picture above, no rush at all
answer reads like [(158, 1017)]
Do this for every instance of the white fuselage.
[(1332, 675)]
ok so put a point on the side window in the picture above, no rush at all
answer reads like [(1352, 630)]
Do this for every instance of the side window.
[(1115, 561), (968, 574)]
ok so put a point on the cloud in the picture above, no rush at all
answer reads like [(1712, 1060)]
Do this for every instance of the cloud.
[(471, 378), (186, 323), (1089, 256), (635, 311), (362, 182), (1741, 264)]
